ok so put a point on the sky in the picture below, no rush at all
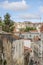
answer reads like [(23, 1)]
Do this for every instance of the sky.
[(22, 10)]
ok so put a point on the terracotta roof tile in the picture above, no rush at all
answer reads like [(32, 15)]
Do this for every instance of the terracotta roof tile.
[(37, 38), (27, 48), (16, 37), (33, 31)]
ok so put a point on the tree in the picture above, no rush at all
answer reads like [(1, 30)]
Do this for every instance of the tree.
[(27, 29), (8, 23), (0, 21), (5, 62)]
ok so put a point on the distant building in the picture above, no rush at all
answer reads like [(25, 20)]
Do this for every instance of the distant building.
[(18, 26), (27, 35), (25, 24)]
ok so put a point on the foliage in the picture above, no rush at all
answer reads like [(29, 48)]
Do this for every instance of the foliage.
[(0, 21), (5, 62), (27, 29), (8, 24)]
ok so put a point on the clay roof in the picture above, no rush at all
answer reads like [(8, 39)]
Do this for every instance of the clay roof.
[(27, 48), (33, 31), (27, 39), (37, 38), (16, 37), (11, 35)]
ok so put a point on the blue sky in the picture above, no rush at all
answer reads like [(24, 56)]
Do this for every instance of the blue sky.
[(22, 10)]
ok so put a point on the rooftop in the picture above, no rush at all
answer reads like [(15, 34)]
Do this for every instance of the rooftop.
[(37, 38)]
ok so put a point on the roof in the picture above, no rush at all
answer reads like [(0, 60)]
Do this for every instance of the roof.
[(3, 32), (27, 48), (27, 39), (9, 35), (15, 36), (37, 38), (33, 31)]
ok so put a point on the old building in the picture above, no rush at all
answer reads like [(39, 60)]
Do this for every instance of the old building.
[(18, 52), (37, 46), (13, 49), (38, 49)]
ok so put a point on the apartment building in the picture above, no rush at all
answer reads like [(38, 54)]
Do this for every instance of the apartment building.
[(6, 41), (18, 26), (18, 48), (37, 46), (29, 35), (18, 52), (25, 24), (13, 52), (27, 51)]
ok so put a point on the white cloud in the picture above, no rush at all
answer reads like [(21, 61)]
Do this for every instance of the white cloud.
[(41, 9), (29, 16), (21, 5)]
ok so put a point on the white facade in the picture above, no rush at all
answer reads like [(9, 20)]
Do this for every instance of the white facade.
[(27, 43), (18, 26), (29, 34), (18, 52)]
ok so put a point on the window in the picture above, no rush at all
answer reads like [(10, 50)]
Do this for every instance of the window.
[(30, 35)]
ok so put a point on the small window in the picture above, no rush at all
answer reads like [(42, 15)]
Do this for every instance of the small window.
[(30, 35)]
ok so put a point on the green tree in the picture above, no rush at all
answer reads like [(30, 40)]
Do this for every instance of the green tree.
[(8, 24), (27, 29), (0, 21)]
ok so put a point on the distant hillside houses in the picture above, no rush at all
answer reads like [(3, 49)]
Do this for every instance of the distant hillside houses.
[(23, 25)]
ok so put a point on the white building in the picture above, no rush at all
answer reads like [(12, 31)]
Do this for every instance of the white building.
[(29, 35), (38, 49), (19, 25), (18, 52)]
